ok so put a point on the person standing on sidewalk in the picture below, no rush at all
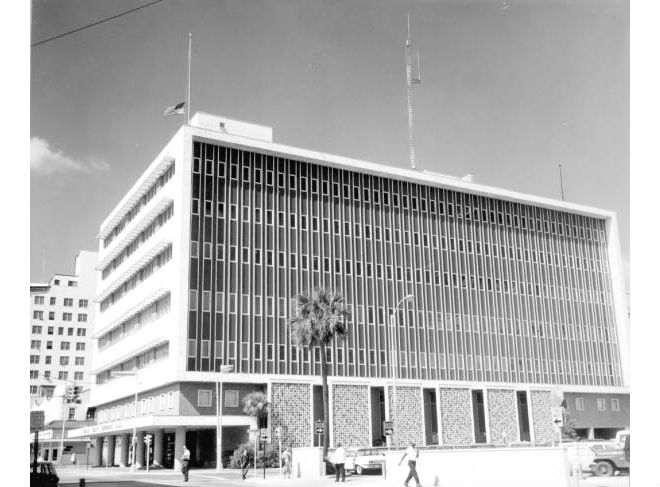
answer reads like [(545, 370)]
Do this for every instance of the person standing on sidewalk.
[(287, 458), (412, 453), (185, 461), (339, 459), (245, 463)]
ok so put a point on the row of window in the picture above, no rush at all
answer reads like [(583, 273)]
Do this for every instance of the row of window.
[(62, 375), (138, 241), (601, 404), (64, 360), (39, 315), (372, 194), (155, 187), (142, 274), (38, 329), (135, 322), (147, 405), (57, 282), (140, 361), (36, 345), (82, 303)]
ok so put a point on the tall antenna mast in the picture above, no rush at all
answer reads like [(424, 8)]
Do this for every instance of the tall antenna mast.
[(561, 182), (412, 78)]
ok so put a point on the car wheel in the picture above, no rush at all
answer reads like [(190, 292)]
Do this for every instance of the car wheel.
[(359, 470), (604, 469)]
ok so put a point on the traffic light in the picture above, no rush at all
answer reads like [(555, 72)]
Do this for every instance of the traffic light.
[(68, 394), (77, 392)]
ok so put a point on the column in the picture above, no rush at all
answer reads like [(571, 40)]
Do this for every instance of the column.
[(139, 460), (590, 433), (124, 441), (158, 447), (179, 441), (110, 452), (98, 451)]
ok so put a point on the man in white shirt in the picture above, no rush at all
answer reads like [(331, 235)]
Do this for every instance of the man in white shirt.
[(339, 459), (412, 453), (185, 460)]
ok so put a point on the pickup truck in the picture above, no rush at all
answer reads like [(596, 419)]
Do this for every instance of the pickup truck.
[(615, 457)]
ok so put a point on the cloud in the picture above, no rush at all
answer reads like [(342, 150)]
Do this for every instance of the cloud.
[(45, 160)]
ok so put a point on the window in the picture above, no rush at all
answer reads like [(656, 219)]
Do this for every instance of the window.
[(38, 300), (51, 315), (579, 404), (52, 301), (49, 345), (615, 405), (35, 344), (601, 404), (64, 361), (78, 376), (82, 318), (68, 301), (80, 360), (81, 332), (72, 413), (47, 361), (204, 398), (65, 346), (34, 374), (67, 316), (38, 315), (231, 399)]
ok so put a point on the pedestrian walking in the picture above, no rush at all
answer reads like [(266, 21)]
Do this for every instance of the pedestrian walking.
[(245, 463), (73, 458), (185, 461), (339, 459), (287, 458), (412, 453)]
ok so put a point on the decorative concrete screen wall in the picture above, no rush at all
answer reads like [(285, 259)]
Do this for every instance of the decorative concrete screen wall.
[(502, 416), (350, 411), (291, 410), (456, 416), (410, 427), (542, 417)]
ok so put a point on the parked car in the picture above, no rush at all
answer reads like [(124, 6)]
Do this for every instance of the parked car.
[(364, 459), (612, 458), (580, 454), (45, 476)]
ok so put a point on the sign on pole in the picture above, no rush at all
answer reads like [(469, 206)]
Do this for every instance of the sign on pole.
[(36, 420), (318, 427), (558, 417), (265, 435), (388, 428)]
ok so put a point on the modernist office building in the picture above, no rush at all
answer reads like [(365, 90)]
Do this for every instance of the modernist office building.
[(517, 299)]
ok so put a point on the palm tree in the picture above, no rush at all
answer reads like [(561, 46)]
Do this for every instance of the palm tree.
[(319, 320), (256, 404)]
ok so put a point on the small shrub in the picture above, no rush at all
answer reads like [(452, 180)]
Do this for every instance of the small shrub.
[(271, 458)]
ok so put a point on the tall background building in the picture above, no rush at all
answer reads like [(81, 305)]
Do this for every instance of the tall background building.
[(515, 300), (61, 322)]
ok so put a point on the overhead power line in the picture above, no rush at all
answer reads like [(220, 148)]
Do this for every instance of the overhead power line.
[(95, 23)]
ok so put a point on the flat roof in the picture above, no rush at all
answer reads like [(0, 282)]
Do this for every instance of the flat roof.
[(429, 178)]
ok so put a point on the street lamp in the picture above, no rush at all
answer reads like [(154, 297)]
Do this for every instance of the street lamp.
[(218, 431), (395, 359), (126, 373)]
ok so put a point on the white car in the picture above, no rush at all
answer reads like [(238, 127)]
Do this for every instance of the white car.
[(364, 459), (580, 455)]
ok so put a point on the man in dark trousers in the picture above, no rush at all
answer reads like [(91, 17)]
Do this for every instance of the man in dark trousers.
[(185, 461), (412, 453), (339, 459), (245, 463)]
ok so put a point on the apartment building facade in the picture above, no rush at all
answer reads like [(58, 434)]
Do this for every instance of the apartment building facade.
[(514, 300)]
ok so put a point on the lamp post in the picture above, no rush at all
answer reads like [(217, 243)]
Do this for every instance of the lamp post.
[(218, 430), (126, 373), (395, 359)]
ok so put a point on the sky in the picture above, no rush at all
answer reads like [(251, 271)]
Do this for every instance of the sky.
[(509, 90)]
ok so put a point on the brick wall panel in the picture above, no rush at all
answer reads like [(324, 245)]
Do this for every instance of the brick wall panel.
[(456, 416), (541, 404), (502, 416), (411, 426), (350, 413), (291, 410)]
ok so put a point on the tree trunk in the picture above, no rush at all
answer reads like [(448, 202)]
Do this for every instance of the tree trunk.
[(326, 403)]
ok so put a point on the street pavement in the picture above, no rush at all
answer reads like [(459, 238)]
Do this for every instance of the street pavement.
[(123, 477)]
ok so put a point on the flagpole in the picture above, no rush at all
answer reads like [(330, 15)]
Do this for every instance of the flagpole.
[(189, 64), (561, 182)]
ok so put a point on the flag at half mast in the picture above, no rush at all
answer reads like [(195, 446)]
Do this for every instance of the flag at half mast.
[(177, 109)]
